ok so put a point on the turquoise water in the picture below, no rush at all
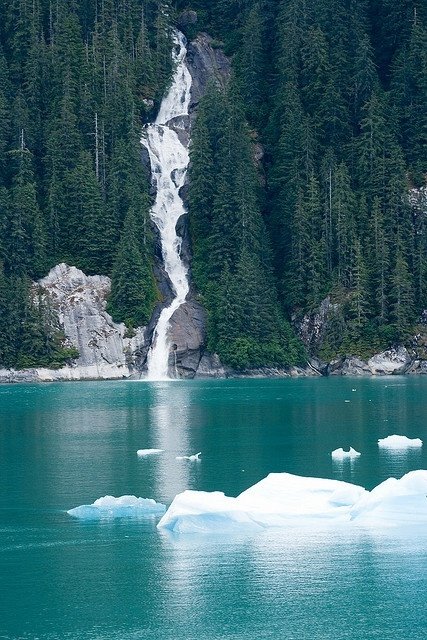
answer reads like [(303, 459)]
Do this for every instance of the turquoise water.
[(63, 445)]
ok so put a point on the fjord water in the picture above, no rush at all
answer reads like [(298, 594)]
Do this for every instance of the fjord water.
[(63, 445)]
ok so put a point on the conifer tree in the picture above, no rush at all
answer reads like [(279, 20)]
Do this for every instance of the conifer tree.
[(402, 292), (132, 286), (26, 250)]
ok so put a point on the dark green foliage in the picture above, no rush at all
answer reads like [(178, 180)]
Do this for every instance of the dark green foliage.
[(73, 80), (32, 337), (133, 289), (232, 266), (337, 93)]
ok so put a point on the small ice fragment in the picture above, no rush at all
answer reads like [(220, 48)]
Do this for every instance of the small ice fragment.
[(399, 442), (194, 458), (354, 389), (148, 452), (109, 507), (340, 454), (346, 400)]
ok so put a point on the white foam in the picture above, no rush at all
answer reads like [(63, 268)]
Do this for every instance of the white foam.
[(340, 454), (283, 500), (109, 507), (399, 442), (148, 452)]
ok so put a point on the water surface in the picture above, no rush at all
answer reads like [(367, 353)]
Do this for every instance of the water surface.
[(66, 444)]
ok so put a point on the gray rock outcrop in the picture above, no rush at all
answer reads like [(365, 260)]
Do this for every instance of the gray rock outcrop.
[(392, 361), (79, 302), (187, 18), (188, 335), (210, 366), (312, 328), (206, 63), (349, 366)]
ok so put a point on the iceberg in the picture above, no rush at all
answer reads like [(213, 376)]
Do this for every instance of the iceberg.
[(148, 452), (395, 501), (278, 500), (284, 500), (399, 442), (340, 454), (110, 507)]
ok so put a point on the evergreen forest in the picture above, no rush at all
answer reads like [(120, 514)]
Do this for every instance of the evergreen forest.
[(307, 176)]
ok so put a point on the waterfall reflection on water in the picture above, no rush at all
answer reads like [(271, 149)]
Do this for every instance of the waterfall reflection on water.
[(170, 424)]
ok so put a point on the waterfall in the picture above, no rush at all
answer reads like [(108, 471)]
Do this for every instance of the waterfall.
[(169, 161)]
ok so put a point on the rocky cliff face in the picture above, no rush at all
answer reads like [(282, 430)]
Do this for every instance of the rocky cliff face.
[(206, 64), (80, 302), (398, 360)]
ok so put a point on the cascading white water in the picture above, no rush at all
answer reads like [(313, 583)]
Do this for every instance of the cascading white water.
[(169, 161)]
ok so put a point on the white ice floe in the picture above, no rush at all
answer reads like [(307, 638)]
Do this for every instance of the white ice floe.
[(395, 501), (399, 442), (122, 507), (275, 501), (282, 500), (194, 458), (148, 452), (340, 454)]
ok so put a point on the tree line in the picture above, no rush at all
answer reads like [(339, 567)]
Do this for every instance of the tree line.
[(332, 91), (77, 79), (336, 91)]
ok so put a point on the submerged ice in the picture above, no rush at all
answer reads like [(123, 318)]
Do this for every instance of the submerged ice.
[(283, 499), (110, 507)]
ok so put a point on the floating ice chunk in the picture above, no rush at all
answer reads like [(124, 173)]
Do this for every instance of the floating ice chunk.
[(278, 500), (194, 458), (282, 500), (203, 512), (340, 454), (399, 442), (148, 452), (122, 507), (289, 495), (395, 501)]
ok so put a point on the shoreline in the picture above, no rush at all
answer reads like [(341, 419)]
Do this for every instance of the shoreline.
[(390, 363)]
